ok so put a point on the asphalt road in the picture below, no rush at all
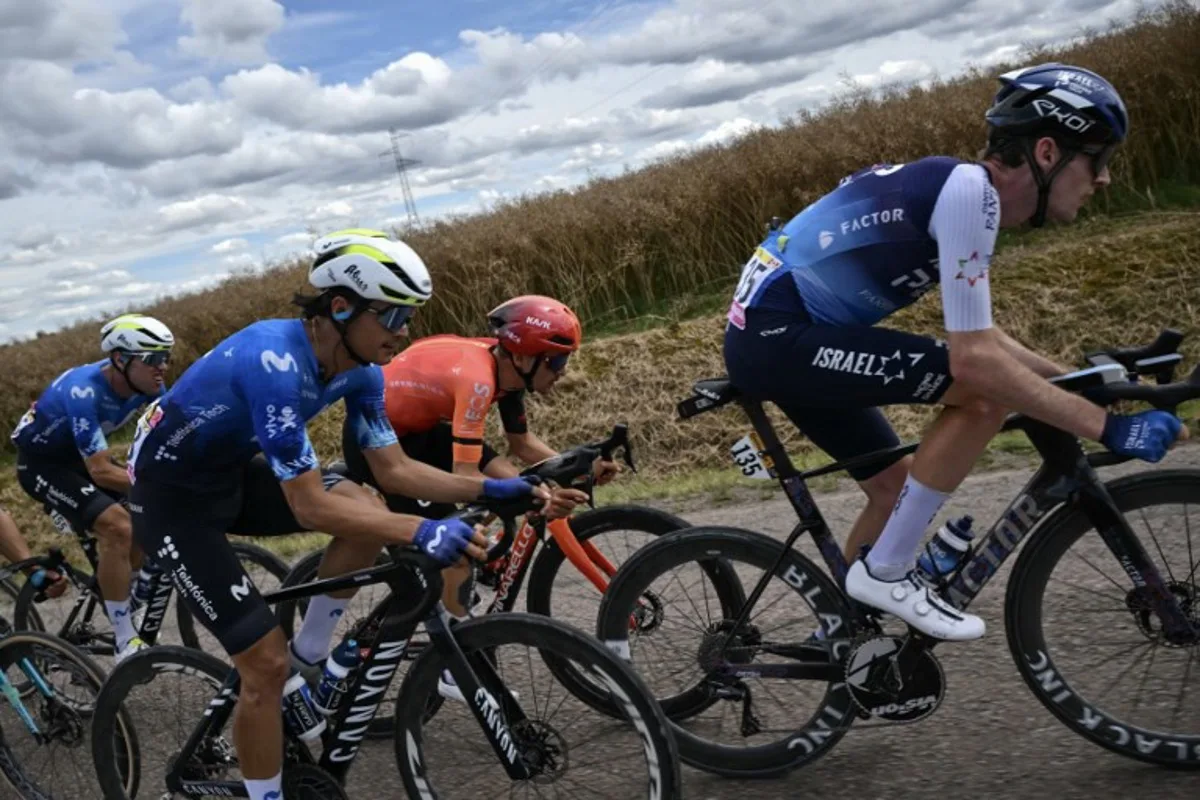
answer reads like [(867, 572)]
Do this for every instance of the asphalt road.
[(990, 737)]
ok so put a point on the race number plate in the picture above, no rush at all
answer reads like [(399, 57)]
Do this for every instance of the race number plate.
[(748, 454)]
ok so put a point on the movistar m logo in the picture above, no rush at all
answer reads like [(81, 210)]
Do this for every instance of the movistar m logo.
[(273, 361)]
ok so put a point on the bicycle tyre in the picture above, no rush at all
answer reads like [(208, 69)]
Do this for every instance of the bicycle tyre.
[(246, 552), (134, 671), (496, 630), (1023, 606), (538, 598), (26, 616), (119, 732), (809, 741)]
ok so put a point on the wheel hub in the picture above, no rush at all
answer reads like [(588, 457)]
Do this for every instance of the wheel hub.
[(1140, 603), (543, 749), (723, 645), (648, 614)]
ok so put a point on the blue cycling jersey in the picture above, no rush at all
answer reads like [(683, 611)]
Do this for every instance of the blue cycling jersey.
[(878, 242), (73, 415), (253, 392)]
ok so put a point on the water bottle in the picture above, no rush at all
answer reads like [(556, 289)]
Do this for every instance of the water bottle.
[(946, 550), (332, 687), (144, 581), (298, 711)]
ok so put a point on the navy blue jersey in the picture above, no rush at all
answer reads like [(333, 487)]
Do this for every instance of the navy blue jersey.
[(878, 242)]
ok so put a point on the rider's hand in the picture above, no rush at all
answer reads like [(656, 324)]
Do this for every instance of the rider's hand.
[(605, 471), (49, 582), (1148, 435), (509, 489), (563, 502), (445, 540)]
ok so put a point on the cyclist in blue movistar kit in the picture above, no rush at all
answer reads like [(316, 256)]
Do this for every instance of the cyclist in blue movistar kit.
[(63, 458), (810, 298), (198, 473)]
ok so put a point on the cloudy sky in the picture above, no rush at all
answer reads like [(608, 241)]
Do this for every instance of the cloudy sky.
[(154, 146)]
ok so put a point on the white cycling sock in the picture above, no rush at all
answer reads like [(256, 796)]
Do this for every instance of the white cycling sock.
[(122, 622), (894, 554), (316, 632), (270, 789)]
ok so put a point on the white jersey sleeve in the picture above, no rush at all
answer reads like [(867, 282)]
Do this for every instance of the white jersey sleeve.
[(964, 223)]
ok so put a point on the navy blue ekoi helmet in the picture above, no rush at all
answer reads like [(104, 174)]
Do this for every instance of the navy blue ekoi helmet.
[(1075, 106)]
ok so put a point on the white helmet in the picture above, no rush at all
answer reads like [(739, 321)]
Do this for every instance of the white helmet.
[(135, 333), (372, 265)]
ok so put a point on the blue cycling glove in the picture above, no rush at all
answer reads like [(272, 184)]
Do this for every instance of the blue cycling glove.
[(443, 539), (506, 488), (1147, 435)]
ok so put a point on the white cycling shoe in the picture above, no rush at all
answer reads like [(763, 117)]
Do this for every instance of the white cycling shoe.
[(910, 600)]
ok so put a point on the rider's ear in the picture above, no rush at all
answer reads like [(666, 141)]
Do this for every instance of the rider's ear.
[(340, 309), (1046, 152)]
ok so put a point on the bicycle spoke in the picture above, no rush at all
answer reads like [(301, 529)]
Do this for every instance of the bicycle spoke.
[(1123, 672), (1157, 546), (1146, 674), (1187, 527), (1128, 649), (1101, 573), (675, 575), (1187, 671), (1118, 600)]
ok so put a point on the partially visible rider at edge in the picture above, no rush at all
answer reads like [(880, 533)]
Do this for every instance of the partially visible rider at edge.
[(14, 549), (438, 393), (64, 461), (802, 327), (227, 451)]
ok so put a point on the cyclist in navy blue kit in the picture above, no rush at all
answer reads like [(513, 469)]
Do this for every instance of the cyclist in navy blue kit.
[(64, 461), (803, 330), (226, 450)]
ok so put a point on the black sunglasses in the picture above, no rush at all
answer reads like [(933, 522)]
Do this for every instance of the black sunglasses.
[(155, 358), (557, 363), (1099, 157), (393, 318)]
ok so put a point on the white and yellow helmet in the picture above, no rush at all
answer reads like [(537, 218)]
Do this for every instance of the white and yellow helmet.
[(372, 265), (136, 333)]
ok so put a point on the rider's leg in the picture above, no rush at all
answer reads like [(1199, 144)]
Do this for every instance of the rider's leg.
[(312, 641), (845, 433), (881, 490), (257, 722), (948, 451), (114, 535)]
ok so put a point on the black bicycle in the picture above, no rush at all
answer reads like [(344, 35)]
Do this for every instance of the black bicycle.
[(572, 595), (832, 655), (525, 732), (78, 615)]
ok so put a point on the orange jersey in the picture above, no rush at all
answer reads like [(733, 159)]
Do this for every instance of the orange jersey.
[(448, 379)]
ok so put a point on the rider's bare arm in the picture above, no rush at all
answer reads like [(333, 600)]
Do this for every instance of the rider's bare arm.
[(342, 515), (980, 362), (1038, 363), (107, 474), (399, 474), (529, 448)]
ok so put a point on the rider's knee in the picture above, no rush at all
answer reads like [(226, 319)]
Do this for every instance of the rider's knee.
[(884, 487), (986, 410), (264, 668), (114, 528)]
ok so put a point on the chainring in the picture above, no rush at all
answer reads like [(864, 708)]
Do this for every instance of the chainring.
[(310, 782), (879, 690)]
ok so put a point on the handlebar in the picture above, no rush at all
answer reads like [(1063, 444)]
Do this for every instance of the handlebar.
[(569, 466), (1157, 359)]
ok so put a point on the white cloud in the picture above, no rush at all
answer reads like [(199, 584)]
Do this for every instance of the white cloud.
[(230, 30), (262, 122), (205, 210), (230, 245), (58, 30)]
